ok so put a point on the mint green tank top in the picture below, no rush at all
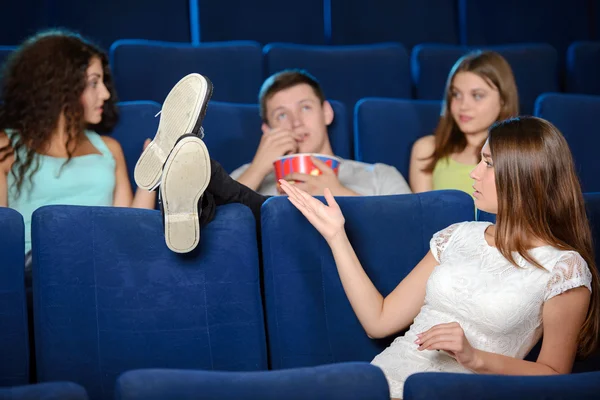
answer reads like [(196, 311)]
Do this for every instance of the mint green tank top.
[(87, 180), (449, 174)]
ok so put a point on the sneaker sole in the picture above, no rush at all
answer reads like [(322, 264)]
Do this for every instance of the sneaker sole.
[(185, 178), (183, 112)]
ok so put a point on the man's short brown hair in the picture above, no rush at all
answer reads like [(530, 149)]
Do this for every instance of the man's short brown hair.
[(285, 80)]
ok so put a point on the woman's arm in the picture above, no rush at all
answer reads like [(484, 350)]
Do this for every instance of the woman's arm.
[(419, 158), (379, 316), (123, 196), (563, 317)]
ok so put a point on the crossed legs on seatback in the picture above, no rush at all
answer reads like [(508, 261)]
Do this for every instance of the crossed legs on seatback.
[(189, 199), (191, 184)]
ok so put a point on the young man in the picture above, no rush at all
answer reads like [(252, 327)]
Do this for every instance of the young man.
[(295, 118)]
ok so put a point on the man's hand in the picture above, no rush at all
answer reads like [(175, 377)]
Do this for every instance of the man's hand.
[(273, 144)]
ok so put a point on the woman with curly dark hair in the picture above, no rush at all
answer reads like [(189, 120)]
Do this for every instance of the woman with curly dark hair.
[(57, 93)]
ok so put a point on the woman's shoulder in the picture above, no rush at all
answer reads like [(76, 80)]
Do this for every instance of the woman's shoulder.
[(468, 228), (424, 146), (553, 256), (111, 143), (568, 271), (458, 234)]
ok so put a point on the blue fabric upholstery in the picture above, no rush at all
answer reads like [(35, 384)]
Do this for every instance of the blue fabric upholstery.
[(147, 70), (309, 318), (233, 132), (109, 296), (137, 123), (558, 22), (534, 67), (22, 19), (437, 386), (347, 73), (576, 116), (347, 381), (4, 53), (386, 129), (592, 204), (583, 63), (14, 347), (485, 216), (595, 12), (263, 21), (340, 135), (45, 391), (405, 21), (131, 19)]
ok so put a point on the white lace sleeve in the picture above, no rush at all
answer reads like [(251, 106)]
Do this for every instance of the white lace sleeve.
[(570, 271), (440, 240)]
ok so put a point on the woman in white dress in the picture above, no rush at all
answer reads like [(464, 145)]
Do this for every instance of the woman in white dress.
[(484, 294)]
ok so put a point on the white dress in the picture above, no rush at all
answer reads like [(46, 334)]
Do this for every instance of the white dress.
[(498, 305)]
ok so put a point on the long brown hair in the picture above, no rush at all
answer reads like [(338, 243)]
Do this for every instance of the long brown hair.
[(495, 70), (539, 196), (44, 78)]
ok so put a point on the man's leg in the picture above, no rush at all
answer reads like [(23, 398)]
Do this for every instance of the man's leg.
[(227, 190), (193, 185)]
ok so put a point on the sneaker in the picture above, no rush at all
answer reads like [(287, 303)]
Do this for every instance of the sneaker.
[(185, 177), (182, 112)]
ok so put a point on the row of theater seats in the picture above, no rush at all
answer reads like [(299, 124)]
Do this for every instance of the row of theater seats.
[(469, 22), (347, 73), (146, 70), (109, 297), (339, 381), (384, 130)]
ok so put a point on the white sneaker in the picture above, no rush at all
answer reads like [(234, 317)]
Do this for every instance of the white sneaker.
[(185, 177), (182, 112)]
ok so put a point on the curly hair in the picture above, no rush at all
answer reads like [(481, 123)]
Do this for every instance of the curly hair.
[(42, 79)]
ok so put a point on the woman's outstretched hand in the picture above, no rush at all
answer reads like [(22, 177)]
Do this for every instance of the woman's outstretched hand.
[(327, 219)]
